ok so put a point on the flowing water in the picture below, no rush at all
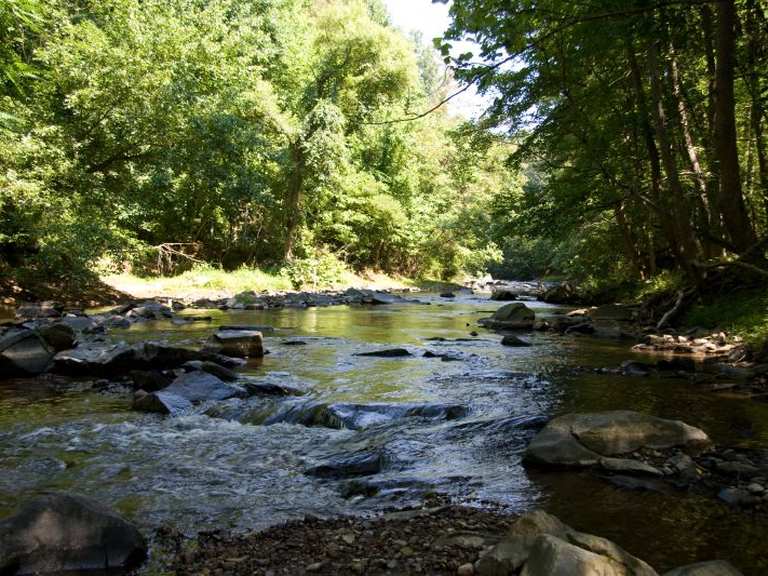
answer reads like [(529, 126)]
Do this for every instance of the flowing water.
[(230, 468)]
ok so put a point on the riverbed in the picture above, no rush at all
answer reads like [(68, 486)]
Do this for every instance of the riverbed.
[(227, 466)]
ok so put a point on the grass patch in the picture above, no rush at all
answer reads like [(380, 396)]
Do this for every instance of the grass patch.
[(742, 312), (212, 282)]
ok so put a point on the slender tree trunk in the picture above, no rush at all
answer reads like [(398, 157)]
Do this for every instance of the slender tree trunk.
[(292, 203), (730, 197), (713, 181), (710, 221), (687, 250)]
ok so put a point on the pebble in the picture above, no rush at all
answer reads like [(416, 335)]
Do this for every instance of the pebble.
[(314, 567), (466, 570)]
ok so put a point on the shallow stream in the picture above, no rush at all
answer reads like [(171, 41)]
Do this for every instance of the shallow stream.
[(228, 469)]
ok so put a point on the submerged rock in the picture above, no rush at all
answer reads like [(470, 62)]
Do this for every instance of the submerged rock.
[(65, 533), (23, 353), (584, 439), (360, 416), (387, 353), (513, 316), (362, 463)]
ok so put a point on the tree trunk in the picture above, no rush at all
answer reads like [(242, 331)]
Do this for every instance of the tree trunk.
[(292, 202), (730, 198), (687, 251)]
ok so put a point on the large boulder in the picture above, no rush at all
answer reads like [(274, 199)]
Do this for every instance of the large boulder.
[(542, 545), (23, 353), (713, 568), (186, 390), (586, 439), (513, 316), (60, 533), (237, 343)]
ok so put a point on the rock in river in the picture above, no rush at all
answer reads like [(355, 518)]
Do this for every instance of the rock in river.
[(585, 439), (387, 353), (542, 545), (512, 316), (23, 353), (65, 533), (237, 343), (186, 390), (503, 295)]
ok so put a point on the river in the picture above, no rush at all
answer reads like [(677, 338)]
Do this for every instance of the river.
[(229, 469)]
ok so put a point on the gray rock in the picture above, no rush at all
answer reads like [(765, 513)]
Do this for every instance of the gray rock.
[(514, 341), (503, 295), (583, 439), (64, 533), (545, 546), (713, 568), (629, 466), (59, 336), (23, 353), (513, 316), (188, 389), (363, 463), (237, 343), (551, 556), (161, 403), (387, 353)]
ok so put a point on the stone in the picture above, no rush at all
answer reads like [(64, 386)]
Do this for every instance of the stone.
[(387, 353), (58, 336), (503, 295), (113, 359), (629, 466), (237, 343), (221, 372), (514, 341), (634, 368), (467, 569), (161, 403), (512, 316), (59, 533), (447, 295), (188, 389), (544, 546), (362, 463), (23, 353), (583, 439), (551, 556), (712, 568)]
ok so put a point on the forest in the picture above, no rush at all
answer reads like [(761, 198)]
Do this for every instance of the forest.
[(275, 300)]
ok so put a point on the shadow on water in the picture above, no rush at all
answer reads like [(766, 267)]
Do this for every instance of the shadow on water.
[(201, 471)]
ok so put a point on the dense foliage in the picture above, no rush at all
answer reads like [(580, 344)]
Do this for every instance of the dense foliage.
[(645, 122), (158, 133)]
